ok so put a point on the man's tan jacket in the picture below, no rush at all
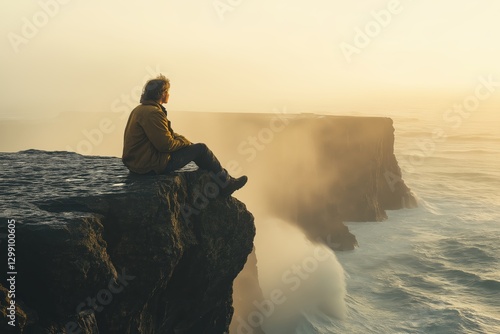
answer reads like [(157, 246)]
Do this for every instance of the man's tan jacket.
[(149, 139)]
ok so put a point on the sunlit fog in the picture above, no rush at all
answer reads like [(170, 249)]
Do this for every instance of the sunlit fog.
[(267, 85), (370, 57)]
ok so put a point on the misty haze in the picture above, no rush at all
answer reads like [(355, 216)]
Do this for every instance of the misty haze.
[(368, 132)]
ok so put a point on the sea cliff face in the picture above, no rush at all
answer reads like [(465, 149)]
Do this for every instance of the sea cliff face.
[(99, 250), (347, 173)]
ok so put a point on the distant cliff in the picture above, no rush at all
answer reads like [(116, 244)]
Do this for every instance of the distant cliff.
[(315, 171), (101, 251), (347, 173)]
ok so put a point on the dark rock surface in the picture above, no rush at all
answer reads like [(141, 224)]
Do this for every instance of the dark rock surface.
[(103, 251)]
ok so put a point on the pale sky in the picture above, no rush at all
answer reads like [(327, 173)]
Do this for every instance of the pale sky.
[(251, 55)]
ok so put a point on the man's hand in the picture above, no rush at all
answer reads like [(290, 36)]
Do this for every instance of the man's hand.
[(182, 138)]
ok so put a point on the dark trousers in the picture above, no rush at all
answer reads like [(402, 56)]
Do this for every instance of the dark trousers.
[(199, 153)]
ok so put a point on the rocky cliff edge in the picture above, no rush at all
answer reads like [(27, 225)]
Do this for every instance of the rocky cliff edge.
[(98, 250)]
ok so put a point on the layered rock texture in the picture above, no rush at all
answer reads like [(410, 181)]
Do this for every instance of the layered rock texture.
[(99, 250)]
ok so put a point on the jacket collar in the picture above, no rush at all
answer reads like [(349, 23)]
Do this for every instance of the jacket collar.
[(154, 103)]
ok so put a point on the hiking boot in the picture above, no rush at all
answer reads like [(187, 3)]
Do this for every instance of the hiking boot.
[(233, 185)]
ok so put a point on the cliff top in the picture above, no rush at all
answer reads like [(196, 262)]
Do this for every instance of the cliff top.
[(33, 177)]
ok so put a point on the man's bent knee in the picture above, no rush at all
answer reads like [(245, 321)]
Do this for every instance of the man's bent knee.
[(201, 147)]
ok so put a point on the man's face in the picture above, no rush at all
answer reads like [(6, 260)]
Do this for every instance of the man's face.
[(164, 97)]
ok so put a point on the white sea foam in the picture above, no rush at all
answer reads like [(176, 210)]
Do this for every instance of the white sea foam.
[(309, 277)]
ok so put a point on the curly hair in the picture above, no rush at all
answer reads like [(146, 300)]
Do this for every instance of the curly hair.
[(154, 88)]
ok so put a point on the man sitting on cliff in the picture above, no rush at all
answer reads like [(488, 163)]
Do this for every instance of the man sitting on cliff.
[(152, 147)]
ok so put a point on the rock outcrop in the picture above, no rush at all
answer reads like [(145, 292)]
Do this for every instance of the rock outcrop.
[(99, 250), (349, 173)]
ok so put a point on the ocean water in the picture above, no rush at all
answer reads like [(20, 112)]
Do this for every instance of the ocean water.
[(434, 269)]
